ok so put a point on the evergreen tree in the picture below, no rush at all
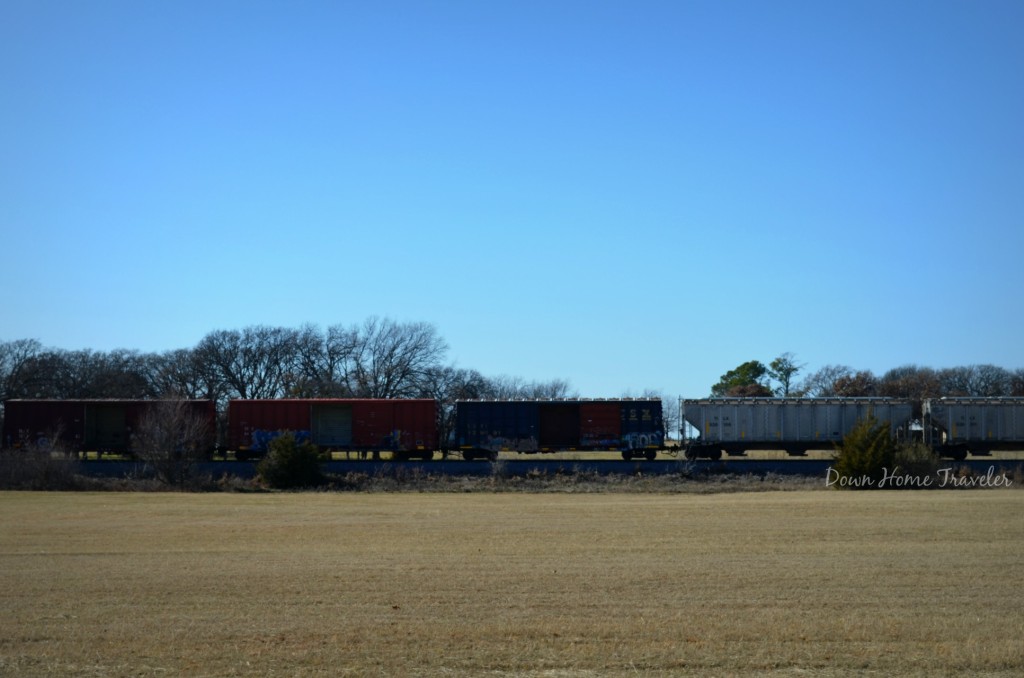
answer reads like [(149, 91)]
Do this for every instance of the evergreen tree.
[(866, 451)]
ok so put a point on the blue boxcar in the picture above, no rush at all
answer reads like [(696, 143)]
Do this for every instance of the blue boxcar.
[(483, 428)]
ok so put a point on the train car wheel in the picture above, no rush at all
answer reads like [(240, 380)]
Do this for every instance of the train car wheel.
[(651, 455), (627, 455)]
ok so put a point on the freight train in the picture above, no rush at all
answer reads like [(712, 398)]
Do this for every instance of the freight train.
[(407, 429), (951, 427)]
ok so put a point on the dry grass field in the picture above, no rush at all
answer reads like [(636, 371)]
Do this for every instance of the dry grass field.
[(819, 583)]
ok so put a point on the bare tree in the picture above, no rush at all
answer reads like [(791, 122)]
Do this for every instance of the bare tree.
[(172, 437), (954, 381), (991, 380), (46, 375), (505, 387), (858, 385), (324, 361), (392, 359), (553, 389), (1017, 382), (121, 373), (975, 380), (183, 372), (14, 357), (822, 383), (252, 363), (909, 381), (57, 373), (79, 373)]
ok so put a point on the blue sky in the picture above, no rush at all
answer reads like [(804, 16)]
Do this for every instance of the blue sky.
[(628, 195)]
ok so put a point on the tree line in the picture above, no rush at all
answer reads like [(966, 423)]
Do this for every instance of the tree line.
[(779, 378), (380, 358)]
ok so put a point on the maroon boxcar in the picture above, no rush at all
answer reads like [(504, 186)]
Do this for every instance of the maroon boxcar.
[(84, 425), (600, 424), (406, 428)]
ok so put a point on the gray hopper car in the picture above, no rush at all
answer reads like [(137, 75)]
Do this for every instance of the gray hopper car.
[(956, 426), (796, 425)]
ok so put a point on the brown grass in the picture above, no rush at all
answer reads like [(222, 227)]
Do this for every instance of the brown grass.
[(786, 583)]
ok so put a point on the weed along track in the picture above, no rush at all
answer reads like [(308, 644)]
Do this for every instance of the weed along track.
[(831, 583)]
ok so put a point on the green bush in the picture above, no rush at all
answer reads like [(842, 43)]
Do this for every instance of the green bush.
[(290, 464), (865, 454)]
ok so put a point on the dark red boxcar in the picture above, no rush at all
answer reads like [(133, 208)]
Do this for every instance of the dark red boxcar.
[(600, 424), (407, 428), (84, 425)]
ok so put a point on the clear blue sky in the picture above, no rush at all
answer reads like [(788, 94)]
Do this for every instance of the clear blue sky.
[(627, 195)]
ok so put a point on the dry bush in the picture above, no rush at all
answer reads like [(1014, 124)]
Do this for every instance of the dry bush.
[(40, 466), (172, 439), (917, 460), (37, 469)]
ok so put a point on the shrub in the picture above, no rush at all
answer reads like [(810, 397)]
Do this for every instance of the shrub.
[(172, 439), (38, 468), (917, 460), (290, 464), (865, 454)]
